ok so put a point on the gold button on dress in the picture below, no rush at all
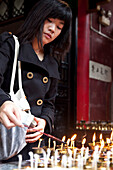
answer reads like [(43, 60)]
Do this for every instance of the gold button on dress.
[(29, 75), (45, 80), (39, 102)]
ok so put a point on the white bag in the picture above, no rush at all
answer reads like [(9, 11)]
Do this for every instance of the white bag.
[(19, 97), (12, 141)]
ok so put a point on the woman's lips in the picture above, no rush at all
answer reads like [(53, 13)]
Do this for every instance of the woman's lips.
[(47, 35)]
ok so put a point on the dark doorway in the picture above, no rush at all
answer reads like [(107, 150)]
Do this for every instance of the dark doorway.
[(65, 115)]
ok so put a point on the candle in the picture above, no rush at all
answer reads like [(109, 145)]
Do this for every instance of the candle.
[(40, 140), (79, 162), (45, 158), (31, 159), (82, 151), (36, 156), (108, 141), (73, 144), (100, 138), (102, 143), (74, 156), (49, 142), (56, 156), (75, 151), (20, 161), (108, 159), (96, 148), (94, 162), (72, 140), (48, 153), (81, 157), (52, 161), (86, 154), (83, 142), (94, 138), (111, 136), (112, 154), (61, 146), (28, 168), (70, 158), (63, 139), (95, 157), (64, 161), (68, 141), (54, 144)]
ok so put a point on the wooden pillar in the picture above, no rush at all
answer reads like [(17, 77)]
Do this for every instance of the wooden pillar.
[(83, 62)]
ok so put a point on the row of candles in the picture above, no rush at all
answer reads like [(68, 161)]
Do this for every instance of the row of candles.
[(102, 142), (69, 156), (94, 125)]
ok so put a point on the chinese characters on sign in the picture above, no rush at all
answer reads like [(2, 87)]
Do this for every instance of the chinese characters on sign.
[(99, 71)]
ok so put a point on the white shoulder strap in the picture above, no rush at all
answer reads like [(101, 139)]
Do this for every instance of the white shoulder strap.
[(14, 67), (19, 97)]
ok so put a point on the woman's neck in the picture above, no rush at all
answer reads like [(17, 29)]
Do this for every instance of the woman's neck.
[(38, 51)]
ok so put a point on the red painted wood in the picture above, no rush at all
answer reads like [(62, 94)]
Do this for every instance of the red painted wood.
[(83, 62), (101, 51)]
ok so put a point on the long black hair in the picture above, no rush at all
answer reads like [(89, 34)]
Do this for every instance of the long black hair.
[(34, 22)]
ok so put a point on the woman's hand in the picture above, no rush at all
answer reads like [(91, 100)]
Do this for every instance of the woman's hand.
[(36, 132), (9, 115)]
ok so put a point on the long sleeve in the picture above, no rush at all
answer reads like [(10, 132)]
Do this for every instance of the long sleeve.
[(6, 60)]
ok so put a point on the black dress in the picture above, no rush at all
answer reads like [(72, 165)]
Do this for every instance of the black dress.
[(39, 80)]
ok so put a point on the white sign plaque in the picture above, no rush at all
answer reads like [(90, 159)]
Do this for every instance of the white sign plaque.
[(99, 71)]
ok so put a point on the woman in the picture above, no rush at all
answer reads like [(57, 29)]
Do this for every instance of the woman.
[(45, 35)]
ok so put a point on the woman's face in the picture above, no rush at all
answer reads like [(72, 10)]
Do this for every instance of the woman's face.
[(52, 28)]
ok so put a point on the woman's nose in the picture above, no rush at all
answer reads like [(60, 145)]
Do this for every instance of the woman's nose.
[(52, 28)]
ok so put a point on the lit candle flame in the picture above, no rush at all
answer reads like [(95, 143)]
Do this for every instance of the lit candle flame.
[(108, 141), (102, 143), (94, 138), (100, 137), (64, 138), (111, 137), (73, 137), (27, 168), (68, 141), (83, 142), (72, 140)]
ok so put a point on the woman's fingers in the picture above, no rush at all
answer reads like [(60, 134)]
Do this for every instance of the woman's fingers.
[(15, 118), (36, 129), (36, 132), (33, 140), (6, 122), (33, 137), (40, 121), (10, 115)]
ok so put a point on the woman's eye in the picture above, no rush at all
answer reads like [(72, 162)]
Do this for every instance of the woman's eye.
[(49, 20), (59, 28)]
